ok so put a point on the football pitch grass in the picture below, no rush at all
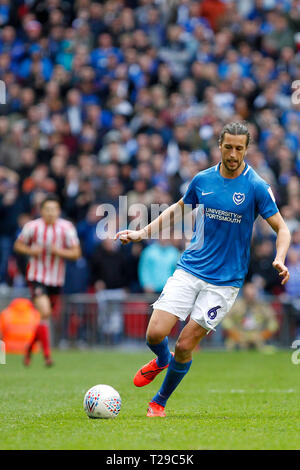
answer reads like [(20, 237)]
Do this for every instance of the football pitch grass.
[(229, 400)]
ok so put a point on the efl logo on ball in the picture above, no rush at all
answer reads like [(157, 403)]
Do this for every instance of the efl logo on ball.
[(102, 401)]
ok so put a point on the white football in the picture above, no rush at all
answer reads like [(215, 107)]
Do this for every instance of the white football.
[(102, 401)]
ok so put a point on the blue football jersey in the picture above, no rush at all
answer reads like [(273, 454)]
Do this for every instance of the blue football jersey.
[(219, 251)]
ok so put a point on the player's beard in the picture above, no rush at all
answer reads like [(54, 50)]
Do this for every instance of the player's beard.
[(232, 168)]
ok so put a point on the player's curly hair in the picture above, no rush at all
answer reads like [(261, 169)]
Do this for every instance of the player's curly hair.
[(235, 128)]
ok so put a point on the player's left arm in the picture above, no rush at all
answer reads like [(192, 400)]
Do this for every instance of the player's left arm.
[(71, 254), (72, 250), (283, 241)]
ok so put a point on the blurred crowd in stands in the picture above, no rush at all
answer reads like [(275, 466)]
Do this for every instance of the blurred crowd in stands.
[(128, 97)]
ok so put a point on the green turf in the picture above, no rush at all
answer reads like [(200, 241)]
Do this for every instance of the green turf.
[(244, 400)]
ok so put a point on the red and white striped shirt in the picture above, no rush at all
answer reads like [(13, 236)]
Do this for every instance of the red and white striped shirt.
[(47, 268)]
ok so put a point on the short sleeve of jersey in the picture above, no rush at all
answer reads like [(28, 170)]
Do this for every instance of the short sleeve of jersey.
[(26, 233), (71, 237), (265, 200), (190, 196)]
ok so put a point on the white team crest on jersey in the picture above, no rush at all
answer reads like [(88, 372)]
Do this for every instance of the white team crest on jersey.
[(238, 198)]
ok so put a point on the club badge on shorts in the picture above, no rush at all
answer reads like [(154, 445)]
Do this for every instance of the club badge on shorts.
[(212, 313)]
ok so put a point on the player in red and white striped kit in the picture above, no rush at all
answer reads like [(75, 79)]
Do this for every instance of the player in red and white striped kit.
[(48, 241)]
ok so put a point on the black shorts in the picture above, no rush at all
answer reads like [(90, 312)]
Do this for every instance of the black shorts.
[(37, 289)]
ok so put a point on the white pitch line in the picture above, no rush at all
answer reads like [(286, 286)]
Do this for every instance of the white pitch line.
[(238, 390)]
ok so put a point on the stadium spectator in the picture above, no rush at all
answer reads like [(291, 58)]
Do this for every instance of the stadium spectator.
[(259, 269), (87, 232), (213, 11), (280, 35), (108, 266), (251, 321), (153, 273), (109, 277), (293, 292), (10, 208)]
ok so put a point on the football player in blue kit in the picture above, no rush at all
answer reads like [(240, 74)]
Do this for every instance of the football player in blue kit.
[(210, 272)]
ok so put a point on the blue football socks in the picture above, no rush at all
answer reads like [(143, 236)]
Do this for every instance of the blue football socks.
[(162, 351), (175, 373)]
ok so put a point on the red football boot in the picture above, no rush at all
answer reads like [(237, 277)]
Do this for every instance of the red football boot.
[(26, 360), (49, 362), (155, 410), (147, 373)]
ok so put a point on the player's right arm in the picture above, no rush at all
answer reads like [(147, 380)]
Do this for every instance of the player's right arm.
[(23, 244), (167, 219), (24, 249)]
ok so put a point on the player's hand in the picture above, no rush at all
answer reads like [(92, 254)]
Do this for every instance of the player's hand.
[(36, 250), (54, 250), (282, 269), (127, 236)]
